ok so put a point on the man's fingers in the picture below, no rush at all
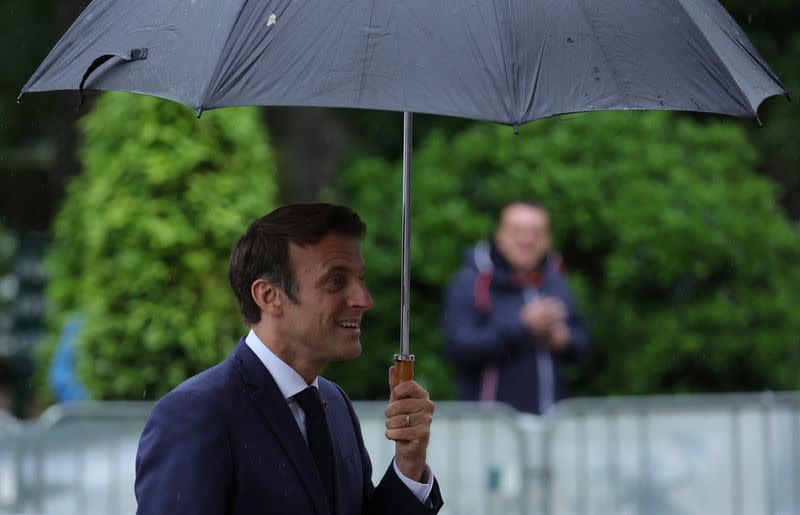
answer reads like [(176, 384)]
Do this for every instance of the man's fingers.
[(392, 378), (556, 307), (419, 428), (409, 420), (409, 390), (406, 406), (406, 434)]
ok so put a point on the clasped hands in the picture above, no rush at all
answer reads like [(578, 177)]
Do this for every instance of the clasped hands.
[(546, 318)]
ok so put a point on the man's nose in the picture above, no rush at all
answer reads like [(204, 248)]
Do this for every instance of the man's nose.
[(361, 298)]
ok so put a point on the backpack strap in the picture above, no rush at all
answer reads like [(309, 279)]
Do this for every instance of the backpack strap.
[(483, 262), (481, 255)]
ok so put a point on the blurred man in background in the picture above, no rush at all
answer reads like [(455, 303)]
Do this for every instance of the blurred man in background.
[(509, 318)]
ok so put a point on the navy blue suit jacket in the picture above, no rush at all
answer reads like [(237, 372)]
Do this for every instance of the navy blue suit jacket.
[(226, 442)]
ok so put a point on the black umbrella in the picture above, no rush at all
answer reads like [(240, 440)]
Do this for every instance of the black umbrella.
[(507, 61)]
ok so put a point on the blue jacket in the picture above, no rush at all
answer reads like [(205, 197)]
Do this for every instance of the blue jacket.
[(226, 442), (497, 357)]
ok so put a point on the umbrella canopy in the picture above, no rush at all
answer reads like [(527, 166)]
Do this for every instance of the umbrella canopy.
[(507, 61)]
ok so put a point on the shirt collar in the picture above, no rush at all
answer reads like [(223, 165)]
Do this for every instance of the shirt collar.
[(288, 380)]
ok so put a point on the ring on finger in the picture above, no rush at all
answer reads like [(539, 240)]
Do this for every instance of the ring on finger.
[(408, 420)]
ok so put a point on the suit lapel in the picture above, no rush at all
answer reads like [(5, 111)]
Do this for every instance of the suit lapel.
[(278, 417)]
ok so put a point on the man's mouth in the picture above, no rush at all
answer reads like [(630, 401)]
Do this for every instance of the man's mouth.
[(349, 324)]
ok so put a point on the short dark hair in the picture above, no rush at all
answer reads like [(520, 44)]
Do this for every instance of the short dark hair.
[(263, 251), (527, 202)]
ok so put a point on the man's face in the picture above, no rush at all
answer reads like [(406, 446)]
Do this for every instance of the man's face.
[(523, 235), (325, 324)]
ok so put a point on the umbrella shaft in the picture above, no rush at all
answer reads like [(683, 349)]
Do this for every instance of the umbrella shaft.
[(405, 286)]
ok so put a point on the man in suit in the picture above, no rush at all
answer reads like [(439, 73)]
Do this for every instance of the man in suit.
[(262, 432)]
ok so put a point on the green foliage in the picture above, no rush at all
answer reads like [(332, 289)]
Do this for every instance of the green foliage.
[(142, 243), (677, 250)]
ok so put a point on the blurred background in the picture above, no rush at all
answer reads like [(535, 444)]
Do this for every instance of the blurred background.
[(679, 233)]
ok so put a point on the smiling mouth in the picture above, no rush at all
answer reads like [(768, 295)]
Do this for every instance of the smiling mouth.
[(353, 326)]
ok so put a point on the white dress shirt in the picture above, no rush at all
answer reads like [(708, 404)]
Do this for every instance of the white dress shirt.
[(290, 383)]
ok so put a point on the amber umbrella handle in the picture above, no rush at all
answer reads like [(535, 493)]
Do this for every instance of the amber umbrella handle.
[(404, 367)]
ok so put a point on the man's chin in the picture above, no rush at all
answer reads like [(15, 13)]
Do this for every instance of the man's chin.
[(350, 352)]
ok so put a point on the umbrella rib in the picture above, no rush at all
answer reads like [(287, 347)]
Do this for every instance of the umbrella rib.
[(614, 73), (761, 63), (76, 26), (362, 82), (492, 78), (536, 78), (204, 97), (503, 60), (753, 110)]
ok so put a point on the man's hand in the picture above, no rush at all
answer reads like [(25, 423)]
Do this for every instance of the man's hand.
[(540, 314), (558, 337), (408, 424), (546, 319)]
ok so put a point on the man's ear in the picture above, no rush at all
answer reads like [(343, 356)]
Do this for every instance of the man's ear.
[(267, 296)]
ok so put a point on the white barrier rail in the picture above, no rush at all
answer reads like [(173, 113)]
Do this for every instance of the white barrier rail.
[(10, 462), (475, 452), (736, 454)]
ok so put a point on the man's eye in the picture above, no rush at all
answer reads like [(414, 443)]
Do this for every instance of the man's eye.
[(337, 281)]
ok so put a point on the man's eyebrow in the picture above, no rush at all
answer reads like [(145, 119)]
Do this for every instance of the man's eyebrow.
[(339, 269), (343, 268), (336, 268)]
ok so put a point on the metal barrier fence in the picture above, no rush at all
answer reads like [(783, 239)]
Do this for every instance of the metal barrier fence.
[(475, 451), (84, 458), (10, 462), (683, 455), (736, 454)]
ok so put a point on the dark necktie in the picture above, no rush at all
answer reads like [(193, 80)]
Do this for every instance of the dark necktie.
[(319, 439)]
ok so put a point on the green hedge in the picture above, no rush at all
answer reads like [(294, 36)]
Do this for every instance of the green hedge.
[(682, 261), (142, 243)]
